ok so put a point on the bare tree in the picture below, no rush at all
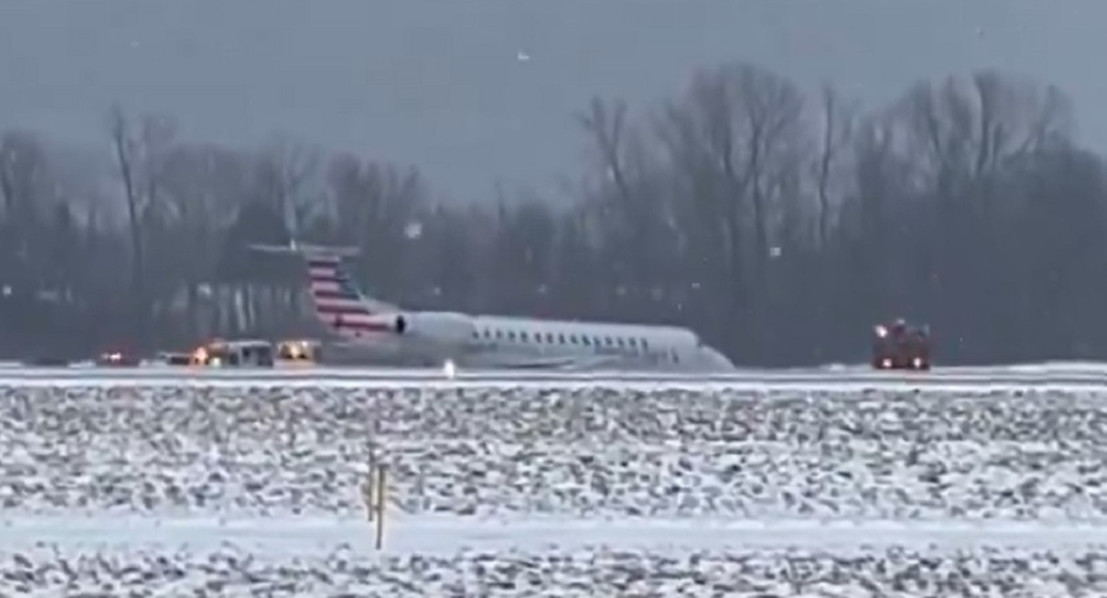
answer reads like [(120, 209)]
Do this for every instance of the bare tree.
[(204, 186), (778, 232), (837, 122), (24, 180), (628, 201), (967, 128), (605, 124), (286, 173), (737, 138), (127, 148), (379, 208)]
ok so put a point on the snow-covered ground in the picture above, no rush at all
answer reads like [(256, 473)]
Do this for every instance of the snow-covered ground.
[(553, 492)]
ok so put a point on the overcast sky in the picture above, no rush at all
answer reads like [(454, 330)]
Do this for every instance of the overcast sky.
[(439, 83)]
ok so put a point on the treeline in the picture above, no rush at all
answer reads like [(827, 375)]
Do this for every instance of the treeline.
[(780, 225)]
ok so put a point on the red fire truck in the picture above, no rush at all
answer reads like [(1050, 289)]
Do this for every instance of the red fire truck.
[(901, 346)]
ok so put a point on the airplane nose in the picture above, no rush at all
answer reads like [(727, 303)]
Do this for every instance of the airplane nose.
[(716, 360)]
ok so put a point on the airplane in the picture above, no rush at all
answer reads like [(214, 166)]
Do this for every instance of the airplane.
[(368, 330)]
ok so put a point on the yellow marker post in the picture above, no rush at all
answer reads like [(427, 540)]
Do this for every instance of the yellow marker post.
[(369, 489), (367, 494), (382, 484)]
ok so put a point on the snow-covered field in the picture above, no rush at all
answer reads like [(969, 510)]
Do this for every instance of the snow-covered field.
[(515, 492), (584, 452)]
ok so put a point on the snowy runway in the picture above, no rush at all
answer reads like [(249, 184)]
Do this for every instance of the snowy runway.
[(449, 535), (1056, 376)]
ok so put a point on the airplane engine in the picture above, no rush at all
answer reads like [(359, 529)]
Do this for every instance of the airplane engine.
[(442, 327), (391, 323), (398, 323)]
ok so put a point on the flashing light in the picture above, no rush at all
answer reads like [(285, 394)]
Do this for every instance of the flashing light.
[(917, 362), (295, 351), (449, 369), (881, 331), (887, 363)]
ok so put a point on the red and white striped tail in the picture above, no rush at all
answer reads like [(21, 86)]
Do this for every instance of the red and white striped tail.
[(337, 301)]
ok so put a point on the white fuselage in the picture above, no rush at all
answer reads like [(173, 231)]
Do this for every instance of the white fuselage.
[(372, 331), (479, 341)]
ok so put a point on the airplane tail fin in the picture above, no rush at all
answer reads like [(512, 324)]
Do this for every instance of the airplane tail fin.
[(339, 304)]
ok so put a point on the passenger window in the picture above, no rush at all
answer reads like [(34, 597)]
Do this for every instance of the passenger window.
[(573, 339), (561, 338), (619, 342), (645, 345), (586, 340), (549, 337), (523, 336), (511, 335)]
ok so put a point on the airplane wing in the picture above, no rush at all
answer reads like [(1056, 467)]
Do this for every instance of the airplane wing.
[(556, 363), (306, 249)]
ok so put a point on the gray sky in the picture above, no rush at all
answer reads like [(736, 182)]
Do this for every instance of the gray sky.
[(438, 83)]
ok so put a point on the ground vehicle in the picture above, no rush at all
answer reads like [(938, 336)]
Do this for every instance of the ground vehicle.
[(175, 358), (117, 359), (901, 346), (243, 353), (299, 351)]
